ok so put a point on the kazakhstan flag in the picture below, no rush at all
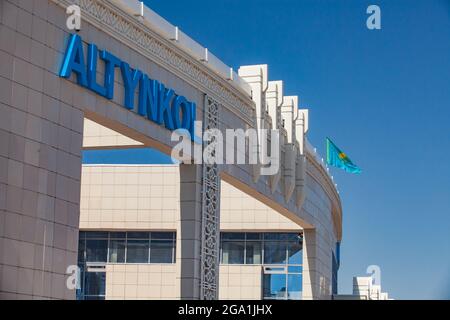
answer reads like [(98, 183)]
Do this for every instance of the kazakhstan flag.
[(338, 159)]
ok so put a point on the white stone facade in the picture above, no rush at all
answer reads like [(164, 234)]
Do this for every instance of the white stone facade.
[(41, 138), (146, 197)]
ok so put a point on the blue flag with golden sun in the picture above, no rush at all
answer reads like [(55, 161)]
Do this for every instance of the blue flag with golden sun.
[(338, 159)]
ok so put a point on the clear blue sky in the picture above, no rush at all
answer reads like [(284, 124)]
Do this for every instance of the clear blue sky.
[(382, 96)]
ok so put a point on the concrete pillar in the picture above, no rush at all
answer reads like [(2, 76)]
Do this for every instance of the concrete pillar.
[(311, 286), (189, 237), (200, 221)]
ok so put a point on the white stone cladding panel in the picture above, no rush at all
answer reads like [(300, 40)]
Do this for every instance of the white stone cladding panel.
[(96, 136), (141, 282), (130, 197), (237, 282), (146, 197), (239, 211)]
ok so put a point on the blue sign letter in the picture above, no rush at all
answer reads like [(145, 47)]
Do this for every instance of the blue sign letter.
[(156, 102), (148, 98), (111, 63), (130, 79), (180, 105), (74, 61), (165, 96), (92, 71)]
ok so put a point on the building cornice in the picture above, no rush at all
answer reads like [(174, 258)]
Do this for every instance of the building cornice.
[(126, 28)]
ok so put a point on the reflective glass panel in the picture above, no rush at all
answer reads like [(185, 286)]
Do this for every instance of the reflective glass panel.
[(95, 285), (162, 235), (274, 252), (281, 236), (117, 250), (96, 235), (294, 253), (294, 286), (137, 251), (117, 235), (96, 250), (233, 236), (81, 251), (233, 252), (253, 236), (253, 252), (274, 286), (295, 269), (138, 235), (161, 251)]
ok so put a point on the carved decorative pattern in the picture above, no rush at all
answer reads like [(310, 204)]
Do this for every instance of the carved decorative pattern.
[(106, 16), (210, 212)]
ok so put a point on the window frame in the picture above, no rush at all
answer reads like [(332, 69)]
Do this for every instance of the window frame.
[(112, 235), (262, 239), (287, 269)]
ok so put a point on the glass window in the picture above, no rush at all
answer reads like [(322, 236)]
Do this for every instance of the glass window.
[(274, 286), (274, 252), (138, 235), (253, 252), (294, 286), (117, 235), (163, 235), (81, 251), (161, 251), (279, 248), (272, 236), (280, 254), (94, 286), (96, 250), (281, 236), (117, 250), (295, 269), (253, 236), (137, 251), (292, 237), (96, 235), (295, 253), (334, 274), (126, 247), (233, 252), (233, 236)]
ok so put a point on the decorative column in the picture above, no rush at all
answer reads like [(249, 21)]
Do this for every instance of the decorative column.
[(210, 213), (199, 221)]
